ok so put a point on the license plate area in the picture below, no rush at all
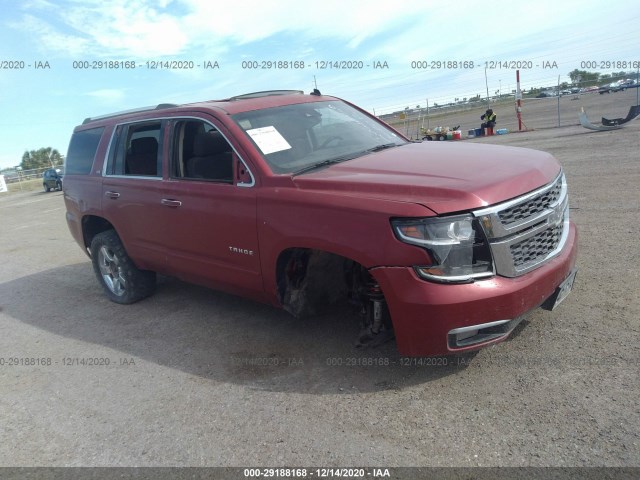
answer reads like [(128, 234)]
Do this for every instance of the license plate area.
[(561, 293)]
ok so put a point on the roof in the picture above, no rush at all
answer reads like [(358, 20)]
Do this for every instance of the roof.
[(233, 105)]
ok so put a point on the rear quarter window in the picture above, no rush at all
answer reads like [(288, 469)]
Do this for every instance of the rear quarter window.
[(82, 151)]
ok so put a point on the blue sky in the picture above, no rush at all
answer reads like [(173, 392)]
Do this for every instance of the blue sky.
[(40, 106)]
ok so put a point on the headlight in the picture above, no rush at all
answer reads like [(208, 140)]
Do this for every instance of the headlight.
[(457, 246)]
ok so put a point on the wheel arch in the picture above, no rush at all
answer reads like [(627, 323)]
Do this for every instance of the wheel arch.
[(92, 225), (307, 278)]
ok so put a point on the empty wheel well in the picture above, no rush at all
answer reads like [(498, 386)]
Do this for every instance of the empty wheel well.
[(308, 279), (91, 226)]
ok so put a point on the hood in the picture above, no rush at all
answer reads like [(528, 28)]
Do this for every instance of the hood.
[(442, 176)]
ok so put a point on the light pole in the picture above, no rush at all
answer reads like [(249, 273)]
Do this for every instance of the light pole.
[(486, 82)]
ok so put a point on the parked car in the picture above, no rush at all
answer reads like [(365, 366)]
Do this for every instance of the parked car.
[(301, 201), (618, 86), (547, 93), (52, 179), (590, 89)]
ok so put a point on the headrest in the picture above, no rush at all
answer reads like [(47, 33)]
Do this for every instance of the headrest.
[(209, 143), (144, 145)]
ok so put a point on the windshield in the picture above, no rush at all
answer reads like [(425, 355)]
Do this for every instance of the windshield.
[(295, 138)]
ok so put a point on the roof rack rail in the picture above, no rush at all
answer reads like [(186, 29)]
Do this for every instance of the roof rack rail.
[(160, 106), (267, 93)]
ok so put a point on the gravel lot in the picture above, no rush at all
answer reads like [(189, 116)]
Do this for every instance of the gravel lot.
[(179, 389), (537, 113)]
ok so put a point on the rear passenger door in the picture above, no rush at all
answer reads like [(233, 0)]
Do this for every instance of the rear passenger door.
[(132, 191), (210, 212)]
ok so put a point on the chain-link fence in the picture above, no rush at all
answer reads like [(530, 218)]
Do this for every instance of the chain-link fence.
[(537, 113)]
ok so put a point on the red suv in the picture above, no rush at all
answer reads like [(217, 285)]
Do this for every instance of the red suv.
[(305, 200)]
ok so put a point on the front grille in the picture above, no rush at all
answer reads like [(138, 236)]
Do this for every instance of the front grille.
[(537, 247), (533, 206), (525, 232)]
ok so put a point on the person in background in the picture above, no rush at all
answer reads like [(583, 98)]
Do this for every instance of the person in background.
[(489, 118)]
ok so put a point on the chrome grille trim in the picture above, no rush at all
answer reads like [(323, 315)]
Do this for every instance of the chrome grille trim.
[(519, 242), (499, 229), (503, 256), (530, 250), (532, 207)]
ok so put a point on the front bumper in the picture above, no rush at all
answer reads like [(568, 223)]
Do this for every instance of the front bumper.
[(425, 313)]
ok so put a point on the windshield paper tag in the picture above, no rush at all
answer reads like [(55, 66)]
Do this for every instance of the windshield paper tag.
[(268, 139)]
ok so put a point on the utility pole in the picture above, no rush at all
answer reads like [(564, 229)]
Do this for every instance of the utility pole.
[(486, 82), (558, 92), (428, 114), (518, 101)]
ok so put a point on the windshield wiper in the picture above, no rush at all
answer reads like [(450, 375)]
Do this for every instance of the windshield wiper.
[(384, 146), (342, 158), (313, 166)]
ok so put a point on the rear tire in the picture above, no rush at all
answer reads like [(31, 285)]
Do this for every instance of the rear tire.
[(121, 280), (46, 187)]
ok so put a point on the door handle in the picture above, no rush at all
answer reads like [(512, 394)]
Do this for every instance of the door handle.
[(111, 194), (171, 203)]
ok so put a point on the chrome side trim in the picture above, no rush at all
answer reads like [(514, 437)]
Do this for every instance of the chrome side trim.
[(485, 332), (105, 159), (137, 177), (453, 279), (185, 117), (480, 326)]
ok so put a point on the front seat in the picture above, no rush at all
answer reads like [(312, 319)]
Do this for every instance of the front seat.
[(143, 157), (212, 158)]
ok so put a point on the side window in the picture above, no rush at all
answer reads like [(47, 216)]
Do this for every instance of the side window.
[(82, 151), (136, 150), (201, 152)]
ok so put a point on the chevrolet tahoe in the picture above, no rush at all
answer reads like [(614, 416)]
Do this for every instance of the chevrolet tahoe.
[(303, 200)]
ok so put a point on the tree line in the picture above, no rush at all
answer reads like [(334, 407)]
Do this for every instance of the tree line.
[(588, 79), (42, 158)]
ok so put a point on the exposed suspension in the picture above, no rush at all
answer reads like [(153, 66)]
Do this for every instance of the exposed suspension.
[(375, 327)]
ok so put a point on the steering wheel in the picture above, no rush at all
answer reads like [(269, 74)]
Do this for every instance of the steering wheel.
[(332, 138)]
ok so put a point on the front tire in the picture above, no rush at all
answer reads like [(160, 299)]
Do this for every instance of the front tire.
[(46, 187), (121, 280)]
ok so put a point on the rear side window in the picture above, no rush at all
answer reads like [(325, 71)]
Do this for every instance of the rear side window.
[(82, 151), (136, 150)]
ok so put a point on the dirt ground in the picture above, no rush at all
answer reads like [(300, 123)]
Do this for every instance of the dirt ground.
[(173, 384), (537, 113)]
